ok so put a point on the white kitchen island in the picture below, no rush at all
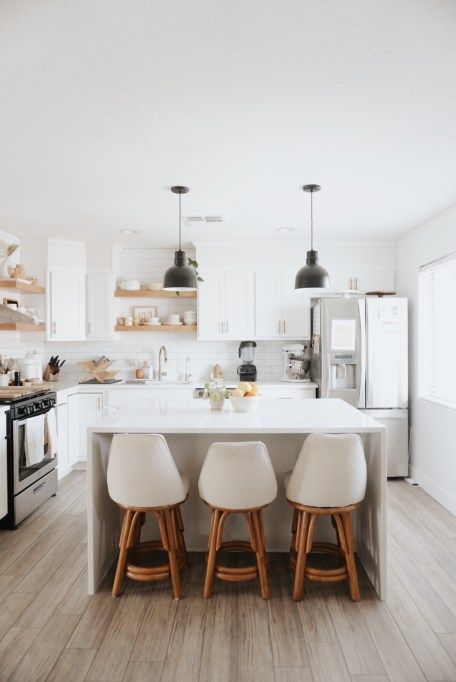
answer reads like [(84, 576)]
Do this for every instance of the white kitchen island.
[(189, 427)]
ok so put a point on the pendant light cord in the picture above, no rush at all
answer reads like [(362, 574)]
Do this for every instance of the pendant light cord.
[(180, 220), (311, 222)]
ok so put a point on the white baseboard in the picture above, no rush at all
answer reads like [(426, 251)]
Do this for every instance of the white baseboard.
[(435, 490)]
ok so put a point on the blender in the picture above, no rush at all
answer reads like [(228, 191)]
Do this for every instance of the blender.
[(247, 371)]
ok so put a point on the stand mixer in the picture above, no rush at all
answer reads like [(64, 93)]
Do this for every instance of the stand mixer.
[(295, 363)]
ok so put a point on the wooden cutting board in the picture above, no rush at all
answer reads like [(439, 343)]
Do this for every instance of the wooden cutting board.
[(9, 392)]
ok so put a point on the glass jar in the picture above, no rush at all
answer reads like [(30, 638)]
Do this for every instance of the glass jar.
[(217, 394)]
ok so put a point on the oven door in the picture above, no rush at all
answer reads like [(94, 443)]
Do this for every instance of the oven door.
[(25, 475)]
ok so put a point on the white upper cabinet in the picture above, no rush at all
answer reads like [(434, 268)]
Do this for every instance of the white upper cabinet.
[(268, 305), (225, 305), (66, 304), (281, 311), (99, 286), (295, 309), (210, 306)]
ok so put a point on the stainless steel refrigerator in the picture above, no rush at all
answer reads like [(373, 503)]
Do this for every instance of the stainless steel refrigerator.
[(359, 353)]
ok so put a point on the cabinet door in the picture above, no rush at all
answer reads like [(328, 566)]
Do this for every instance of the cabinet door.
[(73, 429), (268, 313), (62, 430), (210, 295), (83, 410), (66, 319), (90, 411), (238, 308), (3, 466), (99, 305), (295, 309)]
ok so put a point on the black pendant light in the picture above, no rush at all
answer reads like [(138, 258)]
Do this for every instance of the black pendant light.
[(180, 276), (312, 275)]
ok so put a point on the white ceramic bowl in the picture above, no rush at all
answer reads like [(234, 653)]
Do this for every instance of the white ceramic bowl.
[(245, 404), (130, 285), (153, 286)]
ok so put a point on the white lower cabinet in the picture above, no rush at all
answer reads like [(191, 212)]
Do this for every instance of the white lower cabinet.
[(3, 465), (83, 409), (64, 465), (120, 397), (288, 391)]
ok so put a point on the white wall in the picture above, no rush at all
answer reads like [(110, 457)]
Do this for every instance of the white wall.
[(433, 427)]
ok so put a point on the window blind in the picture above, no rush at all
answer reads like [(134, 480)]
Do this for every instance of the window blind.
[(437, 332)]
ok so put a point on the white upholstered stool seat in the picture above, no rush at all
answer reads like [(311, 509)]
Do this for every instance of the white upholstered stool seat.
[(237, 478), (329, 479), (143, 478)]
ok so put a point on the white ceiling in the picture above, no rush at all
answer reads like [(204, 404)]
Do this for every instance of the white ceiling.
[(105, 104)]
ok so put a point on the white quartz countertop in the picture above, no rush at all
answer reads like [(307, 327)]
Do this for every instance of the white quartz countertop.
[(274, 415)]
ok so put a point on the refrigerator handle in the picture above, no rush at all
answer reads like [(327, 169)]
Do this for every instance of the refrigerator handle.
[(362, 353)]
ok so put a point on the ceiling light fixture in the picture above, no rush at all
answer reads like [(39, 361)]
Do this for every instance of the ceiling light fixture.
[(128, 231), (180, 276), (312, 275), (284, 229)]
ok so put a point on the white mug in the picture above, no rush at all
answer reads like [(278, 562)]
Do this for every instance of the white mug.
[(4, 379), (129, 322)]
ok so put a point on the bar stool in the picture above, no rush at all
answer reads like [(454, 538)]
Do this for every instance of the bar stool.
[(237, 478), (143, 478), (329, 479)]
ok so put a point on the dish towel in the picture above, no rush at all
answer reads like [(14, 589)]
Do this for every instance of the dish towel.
[(34, 440), (50, 435)]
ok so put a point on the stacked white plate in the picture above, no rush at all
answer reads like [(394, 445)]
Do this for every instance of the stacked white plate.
[(173, 320), (190, 317)]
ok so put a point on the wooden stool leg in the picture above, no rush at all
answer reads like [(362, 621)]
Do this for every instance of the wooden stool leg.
[(350, 557), (257, 519), (122, 560), (294, 528), (172, 554), (180, 534), (301, 548), (212, 553)]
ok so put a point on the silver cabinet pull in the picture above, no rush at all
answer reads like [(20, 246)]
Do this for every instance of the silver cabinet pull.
[(226, 326), (99, 404), (284, 327), (278, 326), (53, 328), (89, 328)]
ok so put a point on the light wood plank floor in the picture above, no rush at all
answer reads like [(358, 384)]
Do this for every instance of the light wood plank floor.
[(51, 630)]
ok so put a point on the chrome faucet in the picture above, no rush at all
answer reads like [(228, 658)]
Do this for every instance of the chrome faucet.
[(162, 359), (188, 375)]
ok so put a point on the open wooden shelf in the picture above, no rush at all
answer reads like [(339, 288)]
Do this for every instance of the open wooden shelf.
[(21, 286), (156, 328), (146, 293), (19, 327)]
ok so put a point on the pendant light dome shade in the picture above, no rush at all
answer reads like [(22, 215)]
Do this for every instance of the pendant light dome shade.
[(180, 276), (312, 275)]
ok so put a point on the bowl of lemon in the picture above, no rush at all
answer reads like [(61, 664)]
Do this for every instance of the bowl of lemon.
[(245, 397)]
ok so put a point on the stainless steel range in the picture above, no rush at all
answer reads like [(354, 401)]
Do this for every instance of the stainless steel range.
[(31, 480)]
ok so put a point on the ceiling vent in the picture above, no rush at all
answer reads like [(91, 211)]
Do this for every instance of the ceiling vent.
[(203, 220)]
